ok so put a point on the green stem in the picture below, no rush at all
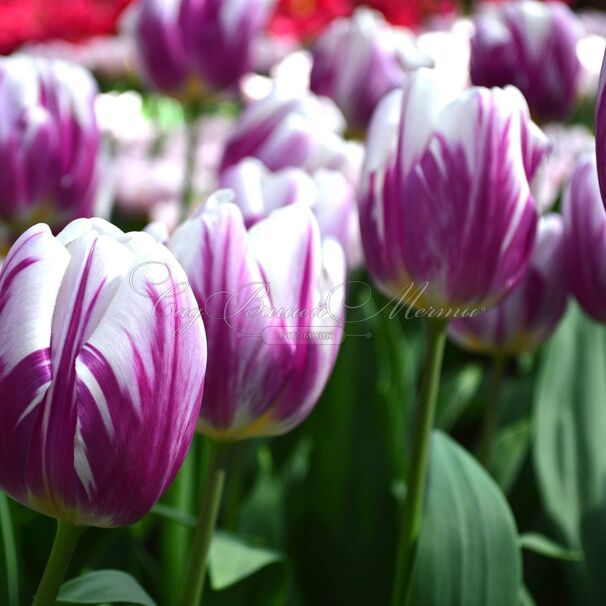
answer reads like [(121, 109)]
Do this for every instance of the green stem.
[(187, 192), (10, 551), (491, 415), (212, 490), (175, 536), (63, 548), (417, 475)]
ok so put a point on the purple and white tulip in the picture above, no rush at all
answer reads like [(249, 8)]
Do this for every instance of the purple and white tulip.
[(285, 130), (100, 383), (528, 315), (445, 202), (585, 234), (532, 45), (359, 59), (328, 193), (49, 141), (206, 44), (265, 295), (600, 131)]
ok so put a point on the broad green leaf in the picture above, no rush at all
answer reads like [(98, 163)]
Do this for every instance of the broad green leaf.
[(468, 552), (544, 546), (570, 423), (10, 551), (231, 560), (104, 587)]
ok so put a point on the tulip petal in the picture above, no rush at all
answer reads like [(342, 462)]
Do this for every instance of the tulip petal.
[(29, 281)]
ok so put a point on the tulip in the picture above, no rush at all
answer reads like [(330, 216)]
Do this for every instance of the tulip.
[(531, 45), (100, 390), (49, 141), (448, 226), (209, 43), (328, 193), (358, 60), (272, 302), (285, 130), (445, 198), (253, 288), (100, 383), (600, 131), (585, 237), (527, 317)]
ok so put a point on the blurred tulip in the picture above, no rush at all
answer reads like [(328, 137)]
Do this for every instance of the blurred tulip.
[(531, 45), (284, 130), (100, 388), (600, 131), (526, 318), (445, 196), (567, 144), (273, 330), (208, 42), (49, 141), (358, 60), (585, 229), (328, 193)]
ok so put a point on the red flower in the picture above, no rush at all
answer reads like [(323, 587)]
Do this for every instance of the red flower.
[(303, 19), (24, 21)]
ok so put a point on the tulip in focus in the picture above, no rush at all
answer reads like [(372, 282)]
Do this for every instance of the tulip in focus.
[(49, 141), (532, 45), (284, 130), (600, 131), (585, 236), (358, 60), (273, 325), (527, 317), (100, 384), (187, 45), (445, 197), (328, 193)]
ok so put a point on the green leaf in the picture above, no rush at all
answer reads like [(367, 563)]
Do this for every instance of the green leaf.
[(231, 560), (544, 546), (10, 551), (570, 423), (104, 587), (525, 598), (174, 515), (509, 452), (456, 392), (468, 552)]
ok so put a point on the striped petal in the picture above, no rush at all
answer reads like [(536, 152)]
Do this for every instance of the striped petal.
[(29, 282)]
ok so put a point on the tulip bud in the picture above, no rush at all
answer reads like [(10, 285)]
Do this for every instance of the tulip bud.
[(585, 237), (272, 302), (445, 202), (529, 314), (100, 380), (531, 45), (328, 193), (359, 59), (49, 141), (283, 130), (209, 43)]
